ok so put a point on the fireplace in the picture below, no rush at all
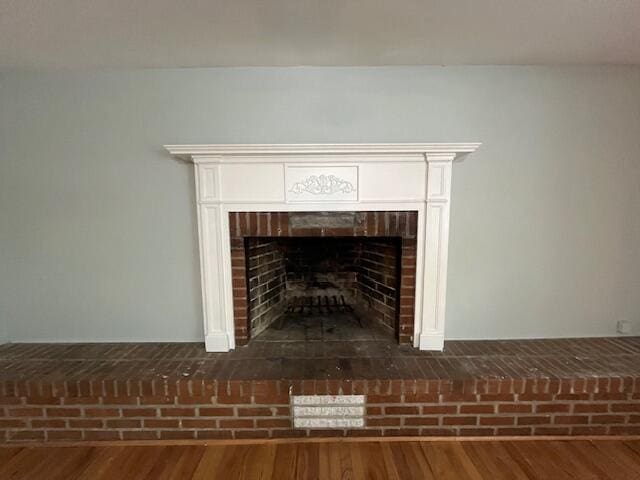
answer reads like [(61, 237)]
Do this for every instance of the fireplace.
[(361, 265), (319, 214)]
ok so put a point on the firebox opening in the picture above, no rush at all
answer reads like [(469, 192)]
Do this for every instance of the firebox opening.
[(336, 284)]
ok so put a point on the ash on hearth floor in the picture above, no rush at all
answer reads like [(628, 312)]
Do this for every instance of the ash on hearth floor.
[(325, 328)]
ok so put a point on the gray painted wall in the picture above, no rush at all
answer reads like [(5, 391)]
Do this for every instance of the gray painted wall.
[(97, 225)]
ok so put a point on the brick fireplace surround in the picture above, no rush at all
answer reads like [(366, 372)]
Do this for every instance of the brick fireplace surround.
[(241, 190), (274, 225)]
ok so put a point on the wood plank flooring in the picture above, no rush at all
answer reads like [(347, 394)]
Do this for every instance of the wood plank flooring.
[(401, 460)]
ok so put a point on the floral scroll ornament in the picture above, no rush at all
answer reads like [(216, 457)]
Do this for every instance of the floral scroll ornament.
[(322, 185)]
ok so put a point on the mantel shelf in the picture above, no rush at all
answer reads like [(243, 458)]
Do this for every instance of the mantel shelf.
[(189, 151)]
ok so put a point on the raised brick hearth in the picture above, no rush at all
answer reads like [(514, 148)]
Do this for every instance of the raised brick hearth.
[(178, 391)]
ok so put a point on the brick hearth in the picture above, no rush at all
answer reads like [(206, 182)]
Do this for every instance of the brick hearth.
[(178, 391)]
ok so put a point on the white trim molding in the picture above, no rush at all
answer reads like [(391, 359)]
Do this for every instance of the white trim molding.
[(190, 151), (323, 177)]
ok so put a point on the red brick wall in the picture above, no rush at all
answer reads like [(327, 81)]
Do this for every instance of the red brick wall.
[(190, 409), (407, 290), (366, 224), (266, 280), (378, 279)]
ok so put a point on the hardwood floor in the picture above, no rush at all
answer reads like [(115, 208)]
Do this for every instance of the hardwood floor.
[(402, 460)]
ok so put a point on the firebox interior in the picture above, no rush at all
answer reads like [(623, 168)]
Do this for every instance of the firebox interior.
[(332, 285)]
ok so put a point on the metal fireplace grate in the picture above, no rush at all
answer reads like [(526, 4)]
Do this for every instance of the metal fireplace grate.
[(318, 304)]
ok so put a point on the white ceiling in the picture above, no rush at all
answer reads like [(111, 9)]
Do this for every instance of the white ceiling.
[(201, 33)]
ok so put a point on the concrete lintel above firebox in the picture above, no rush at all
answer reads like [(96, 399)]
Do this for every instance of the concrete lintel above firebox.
[(323, 178)]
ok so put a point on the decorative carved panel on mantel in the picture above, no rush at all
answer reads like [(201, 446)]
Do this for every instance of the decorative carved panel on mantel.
[(321, 184)]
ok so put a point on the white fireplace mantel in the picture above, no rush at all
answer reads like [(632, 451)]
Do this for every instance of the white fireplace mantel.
[(363, 177)]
